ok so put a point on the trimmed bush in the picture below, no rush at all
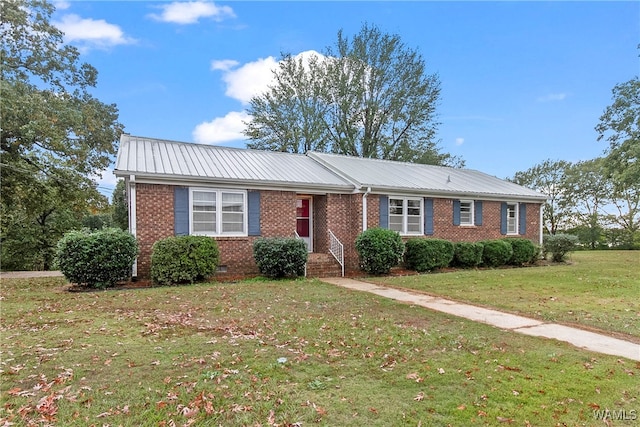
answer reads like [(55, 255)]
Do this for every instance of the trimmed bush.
[(496, 253), (467, 254), (183, 259), (379, 250), (559, 245), (523, 250), (280, 256), (427, 254), (96, 259)]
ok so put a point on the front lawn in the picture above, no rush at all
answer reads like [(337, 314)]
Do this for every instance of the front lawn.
[(284, 353), (595, 290)]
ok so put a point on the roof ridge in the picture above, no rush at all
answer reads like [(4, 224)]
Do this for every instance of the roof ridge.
[(385, 160), (209, 146)]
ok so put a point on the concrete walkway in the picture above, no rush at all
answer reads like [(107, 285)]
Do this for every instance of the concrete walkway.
[(578, 337), (28, 274)]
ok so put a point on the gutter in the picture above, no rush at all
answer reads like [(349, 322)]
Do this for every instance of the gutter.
[(133, 227), (364, 208)]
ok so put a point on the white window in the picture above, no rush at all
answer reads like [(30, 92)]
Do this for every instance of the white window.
[(405, 215), (218, 212), (512, 218), (466, 212)]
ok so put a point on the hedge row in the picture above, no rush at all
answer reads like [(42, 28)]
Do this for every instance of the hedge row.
[(381, 249)]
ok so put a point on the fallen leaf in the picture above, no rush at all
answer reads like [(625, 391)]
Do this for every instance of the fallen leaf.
[(419, 397)]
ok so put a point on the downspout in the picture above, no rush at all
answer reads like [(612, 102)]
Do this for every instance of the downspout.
[(364, 208), (541, 224), (131, 193)]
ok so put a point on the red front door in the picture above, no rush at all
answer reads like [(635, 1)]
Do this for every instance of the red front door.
[(304, 221)]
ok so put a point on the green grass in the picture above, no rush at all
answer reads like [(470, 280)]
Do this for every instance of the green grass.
[(596, 290), (214, 354)]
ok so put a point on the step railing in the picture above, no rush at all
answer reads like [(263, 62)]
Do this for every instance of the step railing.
[(337, 249)]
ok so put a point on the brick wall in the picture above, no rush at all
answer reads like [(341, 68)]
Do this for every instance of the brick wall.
[(277, 219), (155, 221), (320, 230), (340, 213), (344, 219), (443, 227)]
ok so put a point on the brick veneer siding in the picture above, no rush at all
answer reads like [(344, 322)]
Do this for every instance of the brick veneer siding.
[(344, 219), (155, 221), (443, 227), (340, 213)]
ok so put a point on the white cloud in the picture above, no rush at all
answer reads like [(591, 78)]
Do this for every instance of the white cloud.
[(252, 78), (221, 129), (61, 5), (190, 12), (91, 32), (242, 83), (106, 181), (459, 141), (552, 97), (224, 64)]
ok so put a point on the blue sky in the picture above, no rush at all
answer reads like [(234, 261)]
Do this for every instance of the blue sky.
[(521, 81)]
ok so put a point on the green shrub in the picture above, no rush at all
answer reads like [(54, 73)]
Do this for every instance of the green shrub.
[(523, 250), (496, 253), (559, 245), (427, 254), (280, 256), (467, 254), (96, 259), (183, 259), (379, 250)]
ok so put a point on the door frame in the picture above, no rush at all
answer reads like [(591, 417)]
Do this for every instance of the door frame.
[(308, 240)]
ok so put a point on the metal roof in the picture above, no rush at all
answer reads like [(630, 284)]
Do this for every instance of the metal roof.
[(156, 158), (386, 175)]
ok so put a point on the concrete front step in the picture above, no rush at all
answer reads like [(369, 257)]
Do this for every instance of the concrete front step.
[(323, 265)]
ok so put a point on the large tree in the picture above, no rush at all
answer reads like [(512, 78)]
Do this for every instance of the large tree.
[(620, 126), (549, 177), (55, 135), (369, 96), (587, 193)]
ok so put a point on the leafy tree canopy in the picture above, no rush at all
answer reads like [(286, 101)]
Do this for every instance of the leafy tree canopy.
[(51, 125), (54, 134), (620, 126), (369, 96), (549, 178)]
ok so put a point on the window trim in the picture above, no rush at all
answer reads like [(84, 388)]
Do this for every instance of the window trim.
[(516, 213), (472, 219), (219, 212), (405, 214)]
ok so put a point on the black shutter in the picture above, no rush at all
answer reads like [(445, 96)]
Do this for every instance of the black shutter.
[(384, 211), (253, 207), (181, 211)]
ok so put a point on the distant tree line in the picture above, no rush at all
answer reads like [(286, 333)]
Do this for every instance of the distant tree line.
[(598, 200)]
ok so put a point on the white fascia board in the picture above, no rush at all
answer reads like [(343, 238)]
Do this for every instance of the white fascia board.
[(243, 184), (457, 195)]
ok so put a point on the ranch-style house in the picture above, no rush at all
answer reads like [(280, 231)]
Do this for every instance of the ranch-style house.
[(238, 195)]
